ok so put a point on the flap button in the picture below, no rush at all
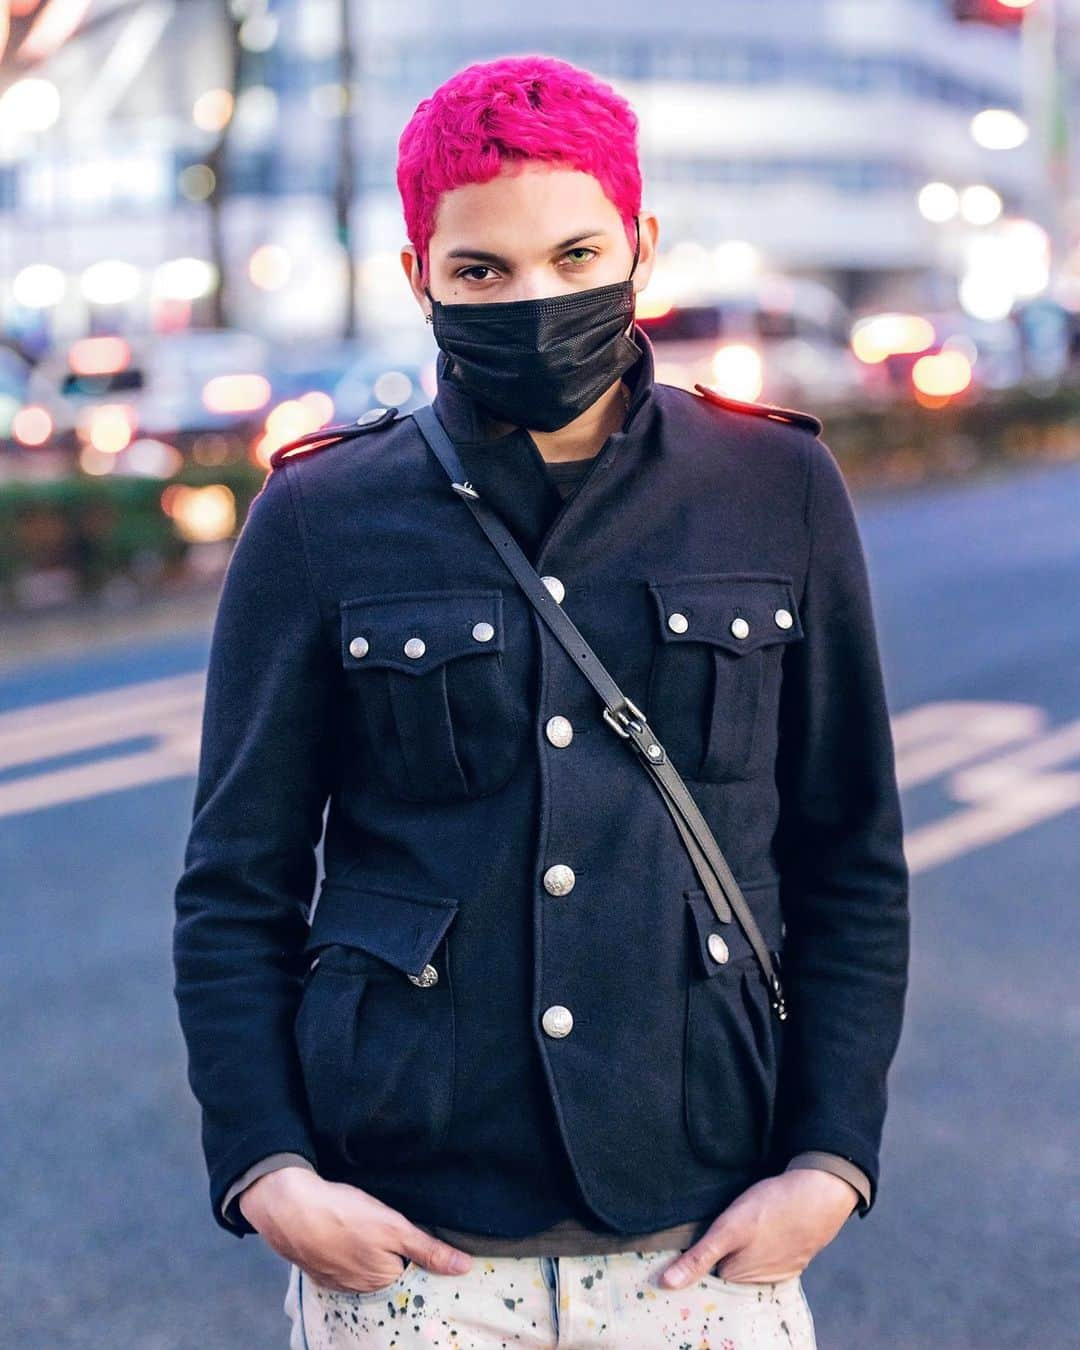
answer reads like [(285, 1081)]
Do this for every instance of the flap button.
[(557, 1020), (415, 647), (740, 627), (555, 586), (558, 880), (718, 948), (677, 623), (427, 977), (358, 646), (559, 731), (783, 618), (483, 632)]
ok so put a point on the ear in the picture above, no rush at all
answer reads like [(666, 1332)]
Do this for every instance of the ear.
[(410, 262), (649, 226)]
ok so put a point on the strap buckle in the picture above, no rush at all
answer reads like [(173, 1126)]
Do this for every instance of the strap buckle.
[(637, 721), (466, 490)]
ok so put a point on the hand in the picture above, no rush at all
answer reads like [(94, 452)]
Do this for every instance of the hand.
[(772, 1230), (339, 1235)]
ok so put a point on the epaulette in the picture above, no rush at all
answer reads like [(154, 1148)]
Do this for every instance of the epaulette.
[(800, 419), (318, 440)]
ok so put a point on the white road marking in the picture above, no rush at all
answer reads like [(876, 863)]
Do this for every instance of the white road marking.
[(168, 711), (999, 761), (1001, 794)]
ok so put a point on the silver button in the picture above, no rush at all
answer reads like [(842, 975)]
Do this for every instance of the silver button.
[(557, 1020), (783, 618), (677, 622), (740, 627), (559, 731), (372, 415), (358, 646), (483, 632), (427, 977), (555, 586), (415, 647), (718, 949), (559, 880)]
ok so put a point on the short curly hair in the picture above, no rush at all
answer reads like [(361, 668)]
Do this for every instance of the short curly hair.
[(516, 108)]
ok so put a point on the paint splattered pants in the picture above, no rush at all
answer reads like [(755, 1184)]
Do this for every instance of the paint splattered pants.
[(612, 1302)]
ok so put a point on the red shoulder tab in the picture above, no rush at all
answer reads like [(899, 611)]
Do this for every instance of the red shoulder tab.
[(318, 440), (778, 414)]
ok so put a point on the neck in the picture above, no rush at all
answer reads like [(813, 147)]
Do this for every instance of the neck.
[(583, 437)]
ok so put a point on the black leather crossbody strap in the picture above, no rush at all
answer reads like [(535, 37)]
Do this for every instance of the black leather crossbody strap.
[(623, 716)]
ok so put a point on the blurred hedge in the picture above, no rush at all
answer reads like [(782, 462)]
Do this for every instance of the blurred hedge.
[(93, 530), (905, 443)]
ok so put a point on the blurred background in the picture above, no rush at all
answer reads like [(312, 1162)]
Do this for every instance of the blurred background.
[(869, 209)]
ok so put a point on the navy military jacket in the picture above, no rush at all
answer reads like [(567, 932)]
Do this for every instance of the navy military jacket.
[(493, 852)]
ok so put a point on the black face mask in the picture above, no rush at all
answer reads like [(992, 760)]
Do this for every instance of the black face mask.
[(540, 363)]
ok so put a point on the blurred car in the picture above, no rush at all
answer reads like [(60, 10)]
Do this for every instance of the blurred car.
[(316, 383), (356, 376), (1047, 333), (775, 339), (106, 391), (983, 354)]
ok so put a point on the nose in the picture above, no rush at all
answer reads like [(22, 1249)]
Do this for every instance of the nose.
[(538, 286)]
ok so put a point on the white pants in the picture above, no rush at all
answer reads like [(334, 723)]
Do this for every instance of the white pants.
[(612, 1302)]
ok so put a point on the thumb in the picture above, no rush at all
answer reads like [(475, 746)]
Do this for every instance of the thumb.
[(432, 1253), (713, 1245)]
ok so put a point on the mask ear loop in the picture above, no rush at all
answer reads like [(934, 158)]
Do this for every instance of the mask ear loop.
[(633, 269), (637, 246)]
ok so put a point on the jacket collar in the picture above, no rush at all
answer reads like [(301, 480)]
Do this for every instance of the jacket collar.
[(509, 470)]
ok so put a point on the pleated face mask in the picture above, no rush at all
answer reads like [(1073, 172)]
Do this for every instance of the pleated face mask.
[(540, 363)]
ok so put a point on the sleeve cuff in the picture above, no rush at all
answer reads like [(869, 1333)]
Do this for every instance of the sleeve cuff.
[(839, 1166)]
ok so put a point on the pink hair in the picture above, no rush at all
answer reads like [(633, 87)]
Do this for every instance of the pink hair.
[(516, 108)]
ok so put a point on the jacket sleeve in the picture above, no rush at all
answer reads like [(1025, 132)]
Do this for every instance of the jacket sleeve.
[(264, 776), (844, 877)]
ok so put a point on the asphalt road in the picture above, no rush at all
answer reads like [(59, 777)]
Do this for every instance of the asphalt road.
[(107, 1238)]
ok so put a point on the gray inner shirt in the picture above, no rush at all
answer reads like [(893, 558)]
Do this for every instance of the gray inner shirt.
[(567, 473)]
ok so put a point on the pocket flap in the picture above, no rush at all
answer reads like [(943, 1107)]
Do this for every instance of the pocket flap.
[(416, 631), (740, 611), (733, 944), (401, 929)]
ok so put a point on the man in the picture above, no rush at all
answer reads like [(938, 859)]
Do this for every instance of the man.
[(516, 1029)]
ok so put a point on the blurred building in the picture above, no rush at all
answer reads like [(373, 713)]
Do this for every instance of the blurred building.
[(804, 128)]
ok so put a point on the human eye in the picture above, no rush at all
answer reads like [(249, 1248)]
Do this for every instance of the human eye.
[(476, 267), (580, 262)]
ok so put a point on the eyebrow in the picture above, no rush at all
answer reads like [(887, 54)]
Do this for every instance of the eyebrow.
[(502, 262)]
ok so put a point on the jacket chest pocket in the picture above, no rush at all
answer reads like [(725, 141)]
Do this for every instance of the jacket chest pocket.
[(713, 695), (375, 1027), (429, 697)]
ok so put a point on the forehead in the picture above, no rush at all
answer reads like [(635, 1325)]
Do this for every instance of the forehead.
[(522, 211)]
